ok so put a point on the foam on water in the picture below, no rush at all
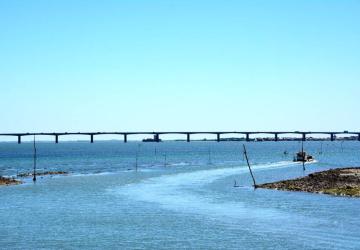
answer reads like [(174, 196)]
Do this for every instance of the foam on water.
[(179, 191), (180, 164)]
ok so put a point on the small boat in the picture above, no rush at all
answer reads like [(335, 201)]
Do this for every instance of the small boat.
[(151, 140), (302, 156)]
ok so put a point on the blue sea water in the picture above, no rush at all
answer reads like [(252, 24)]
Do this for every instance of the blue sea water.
[(180, 197)]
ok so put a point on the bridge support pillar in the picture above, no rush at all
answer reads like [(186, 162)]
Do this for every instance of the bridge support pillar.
[(358, 137), (125, 138), (247, 137), (56, 138), (188, 137), (218, 137), (19, 139), (332, 137), (304, 137), (92, 138), (276, 137)]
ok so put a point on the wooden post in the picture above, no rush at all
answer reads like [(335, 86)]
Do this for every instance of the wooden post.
[(303, 155), (137, 157), (34, 174), (136, 161), (247, 160), (209, 155)]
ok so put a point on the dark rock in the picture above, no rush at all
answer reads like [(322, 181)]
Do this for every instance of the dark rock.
[(8, 181)]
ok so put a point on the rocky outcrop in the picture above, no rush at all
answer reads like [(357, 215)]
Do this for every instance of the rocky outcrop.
[(22, 175), (8, 181), (340, 181)]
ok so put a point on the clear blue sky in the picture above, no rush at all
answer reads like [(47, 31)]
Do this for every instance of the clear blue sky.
[(179, 65)]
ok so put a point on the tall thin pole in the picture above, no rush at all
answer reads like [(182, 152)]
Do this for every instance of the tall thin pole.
[(137, 157), (136, 162), (155, 154), (34, 174), (321, 148), (303, 155), (247, 160), (209, 160)]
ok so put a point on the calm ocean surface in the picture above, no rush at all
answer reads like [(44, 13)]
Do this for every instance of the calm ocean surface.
[(182, 196)]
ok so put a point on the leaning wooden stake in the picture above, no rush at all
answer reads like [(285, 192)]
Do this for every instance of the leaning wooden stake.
[(247, 160), (34, 174)]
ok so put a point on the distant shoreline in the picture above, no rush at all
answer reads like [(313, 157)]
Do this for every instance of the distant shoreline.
[(338, 182)]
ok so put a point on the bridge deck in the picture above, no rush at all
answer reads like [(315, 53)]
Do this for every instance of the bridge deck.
[(157, 134)]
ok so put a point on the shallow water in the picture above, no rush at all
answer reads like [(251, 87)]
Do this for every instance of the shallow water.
[(186, 201)]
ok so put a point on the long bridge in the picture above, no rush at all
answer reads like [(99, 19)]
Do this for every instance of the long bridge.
[(156, 135)]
